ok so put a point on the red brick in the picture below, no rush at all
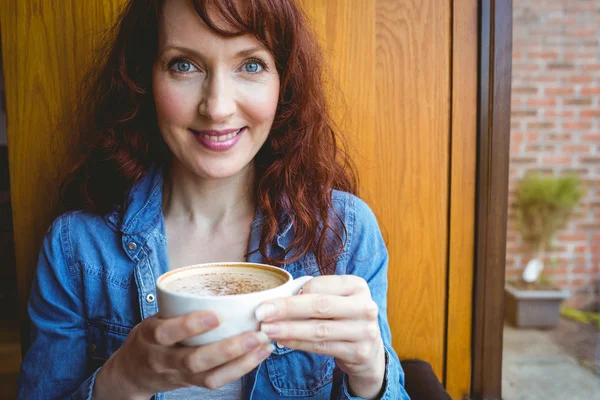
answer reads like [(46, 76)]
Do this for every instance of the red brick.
[(543, 78), (533, 136), (577, 55), (590, 137), (541, 102), (540, 125), (554, 113), (582, 32), (524, 90), (560, 66), (559, 90), (563, 21), (558, 136), (523, 160), (557, 160), (517, 136), (581, 79), (540, 148), (571, 237), (590, 160), (544, 55), (516, 55), (577, 125), (589, 113), (526, 67), (579, 282), (590, 91), (523, 113), (590, 67), (578, 102), (576, 149)]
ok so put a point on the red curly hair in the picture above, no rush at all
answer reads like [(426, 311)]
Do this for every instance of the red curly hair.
[(299, 165)]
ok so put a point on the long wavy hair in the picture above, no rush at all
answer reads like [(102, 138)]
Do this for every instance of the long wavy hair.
[(300, 164)]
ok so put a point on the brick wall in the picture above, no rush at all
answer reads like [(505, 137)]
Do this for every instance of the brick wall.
[(555, 128)]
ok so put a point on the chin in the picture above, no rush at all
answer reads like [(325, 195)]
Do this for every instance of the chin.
[(217, 172)]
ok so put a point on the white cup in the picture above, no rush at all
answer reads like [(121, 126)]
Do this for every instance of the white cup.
[(236, 312)]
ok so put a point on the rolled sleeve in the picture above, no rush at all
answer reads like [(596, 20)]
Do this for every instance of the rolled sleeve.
[(368, 258)]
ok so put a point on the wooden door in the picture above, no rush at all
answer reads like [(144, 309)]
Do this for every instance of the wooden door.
[(407, 70)]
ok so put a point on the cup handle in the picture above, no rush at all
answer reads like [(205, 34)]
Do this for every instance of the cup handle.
[(298, 283)]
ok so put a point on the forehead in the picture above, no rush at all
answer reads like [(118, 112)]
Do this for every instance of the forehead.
[(181, 25)]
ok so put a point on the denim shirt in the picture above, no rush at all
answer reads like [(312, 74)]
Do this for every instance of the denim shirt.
[(96, 279)]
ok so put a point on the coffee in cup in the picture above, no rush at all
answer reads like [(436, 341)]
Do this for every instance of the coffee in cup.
[(225, 281), (233, 291)]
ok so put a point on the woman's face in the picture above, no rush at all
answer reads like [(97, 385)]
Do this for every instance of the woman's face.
[(215, 97)]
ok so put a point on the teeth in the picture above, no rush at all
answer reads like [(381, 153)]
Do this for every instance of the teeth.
[(223, 137)]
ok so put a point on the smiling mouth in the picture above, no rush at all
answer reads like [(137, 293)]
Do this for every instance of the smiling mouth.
[(218, 138)]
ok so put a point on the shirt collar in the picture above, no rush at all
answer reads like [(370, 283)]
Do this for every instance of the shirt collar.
[(143, 209)]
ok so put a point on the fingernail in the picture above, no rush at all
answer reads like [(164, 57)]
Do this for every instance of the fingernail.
[(265, 351), (263, 338), (265, 311), (210, 321), (270, 329)]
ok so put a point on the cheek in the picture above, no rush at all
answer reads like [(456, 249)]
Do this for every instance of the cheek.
[(173, 103), (261, 105)]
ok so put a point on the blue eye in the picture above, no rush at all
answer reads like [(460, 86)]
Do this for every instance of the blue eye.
[(252, 67), (182, 66)]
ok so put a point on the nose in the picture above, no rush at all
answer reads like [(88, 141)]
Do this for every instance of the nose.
[(218, 102)]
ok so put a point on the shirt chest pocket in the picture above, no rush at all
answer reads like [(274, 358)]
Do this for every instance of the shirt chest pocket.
[(103, 339), (296, 373)]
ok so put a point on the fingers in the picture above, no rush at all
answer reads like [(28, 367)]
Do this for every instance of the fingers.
[(235, 369), (353, 353), (319, 306), (167, 332), (340, 285), (322, 330), (214, 355)]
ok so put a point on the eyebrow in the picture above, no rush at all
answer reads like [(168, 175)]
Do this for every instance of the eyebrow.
[(242, 53)]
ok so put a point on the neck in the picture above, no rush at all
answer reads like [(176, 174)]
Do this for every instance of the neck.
[(208, 202)]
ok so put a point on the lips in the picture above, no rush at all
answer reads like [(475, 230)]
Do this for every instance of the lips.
[(218, 140)]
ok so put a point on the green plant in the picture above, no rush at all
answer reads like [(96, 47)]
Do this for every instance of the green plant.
[(543, 205)]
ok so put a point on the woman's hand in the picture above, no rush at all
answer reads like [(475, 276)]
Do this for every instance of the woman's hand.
[(335, 315), (151, 360)]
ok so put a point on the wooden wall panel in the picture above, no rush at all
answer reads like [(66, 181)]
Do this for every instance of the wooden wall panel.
[(46, 49), (462, 197), (391, 59)]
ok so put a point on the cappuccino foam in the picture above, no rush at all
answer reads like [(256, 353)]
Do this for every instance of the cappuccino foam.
[(224, 283)]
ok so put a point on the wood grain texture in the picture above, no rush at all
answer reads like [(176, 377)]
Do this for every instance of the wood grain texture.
[(462, 197), (390, 60), (46, 50), (411, 189)]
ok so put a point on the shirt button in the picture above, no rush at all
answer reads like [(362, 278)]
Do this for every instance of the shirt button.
[(150, 298), (279, 346), (131, 246), (93, 348)]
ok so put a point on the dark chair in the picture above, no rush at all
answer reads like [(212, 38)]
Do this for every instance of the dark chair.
[(421, 383)]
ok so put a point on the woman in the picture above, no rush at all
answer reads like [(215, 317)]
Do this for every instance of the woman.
[(209, 141)]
